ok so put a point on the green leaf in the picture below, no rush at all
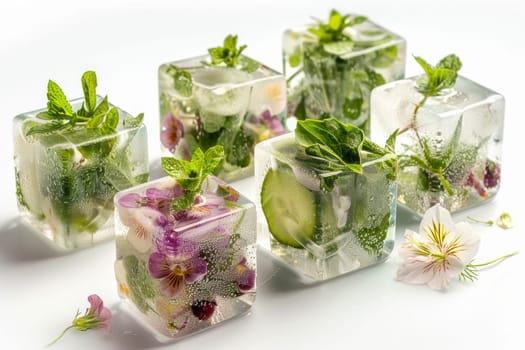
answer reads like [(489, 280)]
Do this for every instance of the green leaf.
[(440, 77), (230, 42), (451, 62), (372, 238), (212, 159), (335, 21), (140, 282), (241, 149), (102, 107), (352, 108), (183, 202), (89, 86), (453, 143), (338, 48), (95, 121), (134, 122), (384, 58), (331, 145), (45, 128), (248, 65), (190, 175), (112, 119), (173, 167), (228, 54), (57, 102), (182, 81), (294, 60), (46, 116)]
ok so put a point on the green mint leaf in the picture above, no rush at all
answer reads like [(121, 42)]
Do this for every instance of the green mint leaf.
[(182, 81), (89, 86), (140, 282), (240, 152), (442, 76), (190, 175), (384, 58), (183, 202), (212, 159), (174, 167), (230, 42), (46, 116), (294, 60), (228, 54), (102, 107), (338, 48), (334, 29), (46, 128), (352, 108), (451, 62), (57, 102), (111, 122), (336, 20), (372, 238), (338, 143), (95, 121), (248, 65), (134, 122)]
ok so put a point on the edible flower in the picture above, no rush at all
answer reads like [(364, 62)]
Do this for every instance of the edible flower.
[(172, 131), (440, 250), (96, 316)]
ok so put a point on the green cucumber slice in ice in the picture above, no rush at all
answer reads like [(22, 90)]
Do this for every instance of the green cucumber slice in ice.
[(289, 208)]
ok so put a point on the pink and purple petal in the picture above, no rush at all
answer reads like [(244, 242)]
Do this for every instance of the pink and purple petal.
[(172, 285), (172, 131), (198, 268), (158, 265), (131, 200)]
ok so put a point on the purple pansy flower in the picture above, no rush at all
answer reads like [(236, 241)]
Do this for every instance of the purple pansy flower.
[(172, 131), (176, 263)]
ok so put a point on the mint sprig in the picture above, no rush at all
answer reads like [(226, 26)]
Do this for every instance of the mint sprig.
[(227, 54), (332, 147), (60, 114), (439, 77), (334, 30), (190, 175)]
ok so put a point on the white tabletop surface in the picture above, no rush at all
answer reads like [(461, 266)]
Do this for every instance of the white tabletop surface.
[(124, 42)]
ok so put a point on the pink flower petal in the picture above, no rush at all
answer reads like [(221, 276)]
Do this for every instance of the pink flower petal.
[(199, 268)]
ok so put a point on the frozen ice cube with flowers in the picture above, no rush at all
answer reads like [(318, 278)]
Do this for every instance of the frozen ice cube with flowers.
[(450, 136), (223, 98), (70, 160), (331, 67), (186, 247), (327, 198)]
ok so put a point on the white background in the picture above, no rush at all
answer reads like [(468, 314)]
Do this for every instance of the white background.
[(124, 42)]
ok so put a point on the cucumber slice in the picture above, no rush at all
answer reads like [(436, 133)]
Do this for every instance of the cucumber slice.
[(289, 208)]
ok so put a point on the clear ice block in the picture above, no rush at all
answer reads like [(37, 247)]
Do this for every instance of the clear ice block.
[(336, 82), (450, 151), (203, 105), (66, 180), (317, 233), (185, 271)]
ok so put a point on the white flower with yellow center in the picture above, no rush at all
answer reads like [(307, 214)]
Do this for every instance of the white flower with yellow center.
[(439, 251)]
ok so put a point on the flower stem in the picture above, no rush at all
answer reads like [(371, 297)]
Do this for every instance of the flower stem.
[(60, 336), (488, 222), (493, 261)]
